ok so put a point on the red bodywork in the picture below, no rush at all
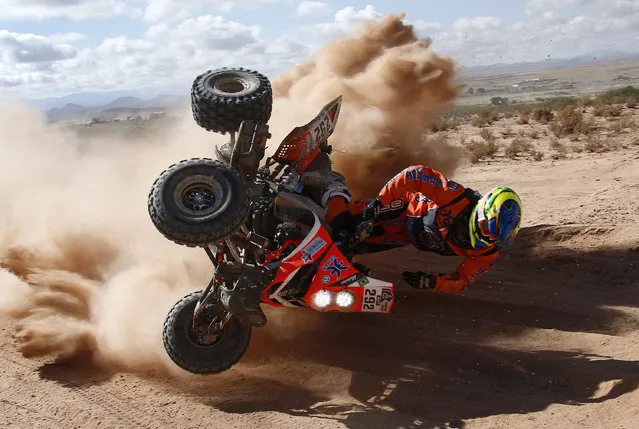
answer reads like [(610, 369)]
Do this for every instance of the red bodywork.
[(335, 273)]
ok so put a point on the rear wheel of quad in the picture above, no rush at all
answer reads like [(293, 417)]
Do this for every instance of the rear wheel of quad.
[(198, 202), (198, 350), (222, 98)]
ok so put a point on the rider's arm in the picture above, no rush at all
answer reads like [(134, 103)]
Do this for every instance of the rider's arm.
[(422, 179), (467, 273)]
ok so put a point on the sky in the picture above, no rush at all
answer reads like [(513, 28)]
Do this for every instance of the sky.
[(57, 47)]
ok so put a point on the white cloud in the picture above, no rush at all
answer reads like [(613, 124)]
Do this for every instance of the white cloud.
[(31, 48), (313, 8), (180, 38), (177, 10), (479, 23), (345, 22), (67, 37), (425, 26), (166, 54), (73, 9), (163, 10)]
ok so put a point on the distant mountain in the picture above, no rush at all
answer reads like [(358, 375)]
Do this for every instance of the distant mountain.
[(102, 98), (125, 102), (178, 94), (120, 107), (68, 110), (550, 63)]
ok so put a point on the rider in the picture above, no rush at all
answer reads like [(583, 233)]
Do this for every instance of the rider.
[(420, 206)]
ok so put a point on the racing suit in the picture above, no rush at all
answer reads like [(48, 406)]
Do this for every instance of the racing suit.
[(420, 206)]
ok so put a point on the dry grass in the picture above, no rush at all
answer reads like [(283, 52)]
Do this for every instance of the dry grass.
[(444, 124), (508, 132), (485, 117), (626, 122), (478, 150), (543, 115), (570, 121), (596, 144), (517, 147), (605, 110), (524, 118), (559, 149), (537, 155)]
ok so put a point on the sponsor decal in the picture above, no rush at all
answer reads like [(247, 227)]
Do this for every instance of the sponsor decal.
[(326, 279), (348, 280), (312, 248), (418, 174), (335, 267), (452, 185)]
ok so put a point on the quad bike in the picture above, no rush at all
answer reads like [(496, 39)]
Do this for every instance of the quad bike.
[(265, 236)]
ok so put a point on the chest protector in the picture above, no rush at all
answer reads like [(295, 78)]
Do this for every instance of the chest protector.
[(430, 232)]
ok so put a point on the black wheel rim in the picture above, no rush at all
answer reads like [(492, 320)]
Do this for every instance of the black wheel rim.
[(198, 198), (203, 334)]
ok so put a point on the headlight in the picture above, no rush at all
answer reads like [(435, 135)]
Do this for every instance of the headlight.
[(344, 299), (322, 298)]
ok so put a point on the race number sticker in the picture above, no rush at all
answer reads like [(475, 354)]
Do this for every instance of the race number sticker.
[(377, 299)]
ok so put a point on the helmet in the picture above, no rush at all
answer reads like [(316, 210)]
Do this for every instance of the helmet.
[(495, 219)]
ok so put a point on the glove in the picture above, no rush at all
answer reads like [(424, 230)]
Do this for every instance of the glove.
[(313, 178), (419, 279), (371, 210)]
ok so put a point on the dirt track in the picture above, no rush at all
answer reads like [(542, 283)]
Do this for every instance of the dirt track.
[(547, 339)]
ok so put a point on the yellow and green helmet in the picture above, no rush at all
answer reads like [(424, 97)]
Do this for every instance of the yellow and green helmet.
[(496, 218)]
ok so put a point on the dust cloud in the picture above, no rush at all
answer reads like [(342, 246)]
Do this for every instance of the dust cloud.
[(393, 87), (82, 269)]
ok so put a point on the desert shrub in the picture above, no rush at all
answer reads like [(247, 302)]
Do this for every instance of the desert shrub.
[(477, 150), (600, 109), (537, 156), (595, 144), (586, 101), (524, 118), (533, 134), (614, 111), (444, 124), (516, 147), (485, 117), (631, 102), (619, 95), (559, 149), (570, 121), (576, 148), (487, 135), (543, 115), (508, 132), (625, 122)]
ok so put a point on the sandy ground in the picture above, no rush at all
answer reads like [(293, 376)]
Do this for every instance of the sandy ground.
[(547, 339)]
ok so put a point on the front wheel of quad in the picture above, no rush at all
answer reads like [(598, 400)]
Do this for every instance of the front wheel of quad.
[(198, 202), (222, 98), (198, 350)]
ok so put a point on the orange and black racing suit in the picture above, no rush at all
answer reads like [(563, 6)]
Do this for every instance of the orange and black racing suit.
[(420, 206)]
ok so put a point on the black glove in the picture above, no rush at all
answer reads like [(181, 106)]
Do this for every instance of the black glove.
[(419, 279), (371, 210)]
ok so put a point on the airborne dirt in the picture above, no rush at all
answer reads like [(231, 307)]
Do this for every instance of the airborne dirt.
[(547, 339)]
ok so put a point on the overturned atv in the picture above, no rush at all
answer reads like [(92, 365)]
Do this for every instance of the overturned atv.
[(266, 237)]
